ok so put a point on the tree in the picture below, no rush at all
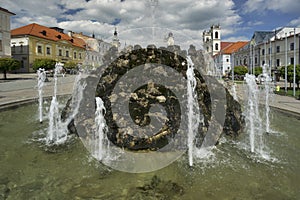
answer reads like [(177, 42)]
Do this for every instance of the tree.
[(258, 71), (70, 65), (45, 63), (240, 70), (8, 64), (290, 74)]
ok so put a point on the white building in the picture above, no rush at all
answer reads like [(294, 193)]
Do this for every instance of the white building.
[(225, 59), (5, 50), (275, 48)]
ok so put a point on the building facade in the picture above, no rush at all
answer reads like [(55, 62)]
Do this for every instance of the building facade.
[(35, 41), (95, 49), (274, 48), (5, 50), (225, 59)]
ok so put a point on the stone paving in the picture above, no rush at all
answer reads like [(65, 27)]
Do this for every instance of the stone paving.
[(279, 102), (22, 88)]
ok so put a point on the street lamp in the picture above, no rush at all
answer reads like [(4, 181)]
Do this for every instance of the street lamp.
[(294, 78), (285, 69), (232, 68)]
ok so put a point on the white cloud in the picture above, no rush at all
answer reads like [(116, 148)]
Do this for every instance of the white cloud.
[(255, 23), (236, 39), (295, 22), (286, 6), (187, 17)]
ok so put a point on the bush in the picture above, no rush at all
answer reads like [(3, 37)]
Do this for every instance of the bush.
[(45, 63), (240, 70)]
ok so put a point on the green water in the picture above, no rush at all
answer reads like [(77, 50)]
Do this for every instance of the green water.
[(29, 171)]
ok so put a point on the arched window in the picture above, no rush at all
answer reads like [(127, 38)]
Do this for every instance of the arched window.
[(216, 35), (216, 46)]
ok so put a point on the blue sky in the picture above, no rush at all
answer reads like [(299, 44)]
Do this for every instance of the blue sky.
[(186, 19)]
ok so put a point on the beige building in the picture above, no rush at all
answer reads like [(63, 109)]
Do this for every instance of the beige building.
[(5, 15), (35, 41), (95, 48)]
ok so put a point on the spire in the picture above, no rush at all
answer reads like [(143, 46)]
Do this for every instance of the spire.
[(115, 33), (115, 40), (93, 36)]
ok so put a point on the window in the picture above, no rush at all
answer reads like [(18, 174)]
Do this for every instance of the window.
[(270, 50), (277, 49), (292, 46), (67, 53), (227, 60), (216, 46), (292, 61), (75, 55), (48, 49), (21, 48), (263, 62), (39, 49), (255, 60), (263, 51), (216, 35), (278, 62), (79, 55), (59, 52), (13, 49)]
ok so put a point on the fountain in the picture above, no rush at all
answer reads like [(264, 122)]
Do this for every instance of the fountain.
[(41, 80), (193, 116), (40, 178), (267, 92), (58, 128), (253, 116), (101, 129)]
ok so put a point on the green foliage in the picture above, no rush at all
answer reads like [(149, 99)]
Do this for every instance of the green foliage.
[(258, 71), (45, 63), (70, 65), (290, 73), (240, 70), (8, 64)]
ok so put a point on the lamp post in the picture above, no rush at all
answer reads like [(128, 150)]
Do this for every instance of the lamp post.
[(285, 69), (294, 78), (253, 59), (270, 66), (232, 67)]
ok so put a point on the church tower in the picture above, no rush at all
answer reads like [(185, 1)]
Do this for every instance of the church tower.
[(212, 40), (216, 39), (115, 40)]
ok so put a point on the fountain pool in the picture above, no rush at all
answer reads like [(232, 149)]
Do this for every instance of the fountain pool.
[(30, 169)]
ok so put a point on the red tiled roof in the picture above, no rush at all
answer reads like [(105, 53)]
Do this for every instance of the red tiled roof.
[(5, 10), (46, 33), (235, 46), (225, 44)]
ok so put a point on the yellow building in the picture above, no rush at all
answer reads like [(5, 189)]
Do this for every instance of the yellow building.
[(34, 41)]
